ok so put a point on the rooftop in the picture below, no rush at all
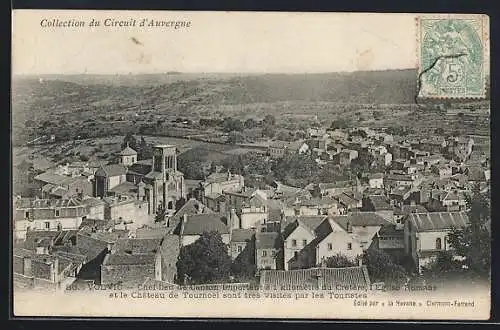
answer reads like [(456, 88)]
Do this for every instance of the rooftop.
[(352, 277), (241, 235), (267, 240), (23, 203), (437, 221), (127, 151), (192, 206), (111, 170), (133, 246), (197, 224), (360, 219), (52, 178), (151, 233), (309, 222)]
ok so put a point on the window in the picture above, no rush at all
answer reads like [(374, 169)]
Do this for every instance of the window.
[(47, 225), (295, 254), (26, 214), (58, 213), (349, 246), (330, 246), (438, 243), (294, 242), (264, 253), (239, 249), (304, 242)]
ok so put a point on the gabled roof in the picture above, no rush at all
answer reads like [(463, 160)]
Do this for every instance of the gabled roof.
[(127, 151), (360, 219), (52, 178), (407, 209), (241, 235), (310, 222), (267, 240), (318, 201), (197, 224), (127, 259), (337, 184), (437, 221), (380, 203), (47, 203), (352, 277), (111, 170), (296, 145), (346, 199), (151, 233), (137, 245), (192, 206)]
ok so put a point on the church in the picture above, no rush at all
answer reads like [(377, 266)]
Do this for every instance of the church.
[(155, 180)]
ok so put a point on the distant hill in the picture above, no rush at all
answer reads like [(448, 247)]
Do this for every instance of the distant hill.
[(33, 97)]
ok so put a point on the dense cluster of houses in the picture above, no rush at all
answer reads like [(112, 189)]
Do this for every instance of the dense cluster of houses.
[(101, 223)]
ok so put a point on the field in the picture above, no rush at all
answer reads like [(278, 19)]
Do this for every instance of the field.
[(102, 150), (89, 115)]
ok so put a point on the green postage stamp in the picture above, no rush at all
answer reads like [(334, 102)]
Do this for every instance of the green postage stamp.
[(453, 56)]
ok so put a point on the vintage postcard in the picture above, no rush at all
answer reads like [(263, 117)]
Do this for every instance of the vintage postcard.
[(250, 165)]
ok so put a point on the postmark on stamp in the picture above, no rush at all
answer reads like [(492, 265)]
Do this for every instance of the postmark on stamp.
[(452, 61)]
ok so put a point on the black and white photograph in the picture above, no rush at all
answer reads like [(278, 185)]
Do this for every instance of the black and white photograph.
[(250, 165)]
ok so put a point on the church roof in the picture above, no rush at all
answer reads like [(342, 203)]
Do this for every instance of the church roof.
[(111, 170), (436, 221), (128, 152)]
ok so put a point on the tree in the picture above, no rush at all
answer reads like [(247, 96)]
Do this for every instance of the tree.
[(439, 131), (338, 124), (444, 263), (359, 132), (130, 140), (250, 123), (296, 170), (213, 167), (268, 131), (269, 120), (193, 170), (232, 125), (243, 267), (145, 150), (235, 137), (204, 261), (473, 242), (382, 268), (339, 261)]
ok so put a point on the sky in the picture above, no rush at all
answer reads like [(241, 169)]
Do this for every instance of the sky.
[(236, 42)]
